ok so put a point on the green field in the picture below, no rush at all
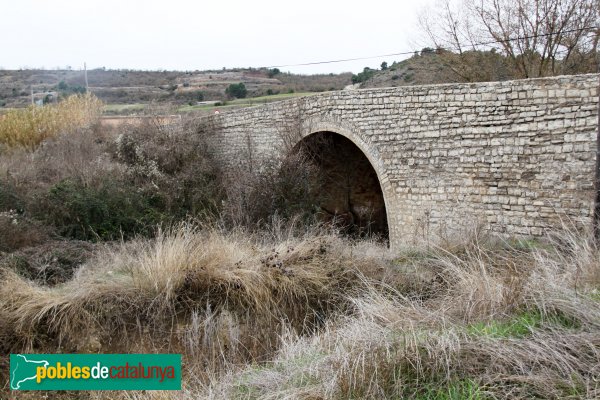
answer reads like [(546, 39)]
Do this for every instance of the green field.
[(244, 102)]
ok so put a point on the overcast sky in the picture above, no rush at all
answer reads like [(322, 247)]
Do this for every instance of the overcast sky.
[(190, 35)]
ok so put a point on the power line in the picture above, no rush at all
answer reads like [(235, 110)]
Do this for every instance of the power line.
[(343, 60), (404, 53)]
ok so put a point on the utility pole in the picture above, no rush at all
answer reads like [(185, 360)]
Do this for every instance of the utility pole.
[(32, 101), (86, 80)]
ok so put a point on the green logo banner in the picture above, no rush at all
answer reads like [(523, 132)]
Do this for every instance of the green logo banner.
[(95, 371)]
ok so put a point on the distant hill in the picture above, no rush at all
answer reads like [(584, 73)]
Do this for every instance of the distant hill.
[(130, 91), (431, 66), (173, 87), (434, 67)]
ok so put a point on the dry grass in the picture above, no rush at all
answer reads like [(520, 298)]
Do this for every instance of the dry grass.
[(29, 127), (393, 346), (279, 316), (221, 298), (82, 155)]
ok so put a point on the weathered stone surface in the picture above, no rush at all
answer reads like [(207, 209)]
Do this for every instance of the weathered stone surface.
[(517, 157)]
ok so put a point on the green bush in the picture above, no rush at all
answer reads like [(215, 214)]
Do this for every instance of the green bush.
[(237, 90), (273, 72), (367, 74), (108, 212), (67, 90)]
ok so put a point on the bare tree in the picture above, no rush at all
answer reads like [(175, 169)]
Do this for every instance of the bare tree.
[(539, 37), (447, 26)]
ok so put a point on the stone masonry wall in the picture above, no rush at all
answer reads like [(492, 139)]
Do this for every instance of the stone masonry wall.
[(517, 157)]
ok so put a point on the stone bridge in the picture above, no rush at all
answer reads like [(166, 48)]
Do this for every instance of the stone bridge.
[(515, 157)]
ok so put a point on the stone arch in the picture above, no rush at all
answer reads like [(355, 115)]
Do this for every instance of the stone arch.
[(315, 125)]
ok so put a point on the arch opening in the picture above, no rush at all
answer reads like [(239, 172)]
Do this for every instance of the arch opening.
[(351, 196)]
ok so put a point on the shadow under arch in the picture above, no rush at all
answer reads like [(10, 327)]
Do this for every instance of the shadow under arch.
[(357, 186)]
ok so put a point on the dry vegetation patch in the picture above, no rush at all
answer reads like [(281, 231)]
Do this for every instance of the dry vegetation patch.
[(483, 334), (317, 316), (221, 297), (30, 126)]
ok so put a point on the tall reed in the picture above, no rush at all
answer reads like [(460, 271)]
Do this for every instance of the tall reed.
[(28, 127)]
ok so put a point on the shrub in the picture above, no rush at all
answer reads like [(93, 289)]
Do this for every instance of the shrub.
[(30, 126), (172, 163), (237, 90), (79, 156), (287, 189), (109, 212), (66, 90), (273, 72), (89, 186), (367, 74)]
